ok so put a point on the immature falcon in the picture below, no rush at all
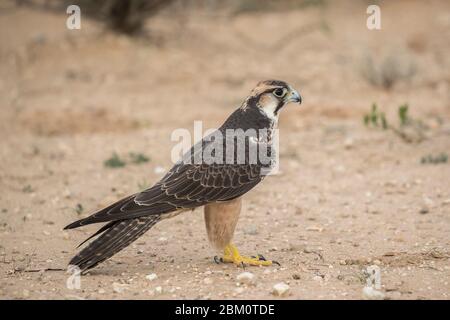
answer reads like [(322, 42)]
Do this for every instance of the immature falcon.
[(216, 185)]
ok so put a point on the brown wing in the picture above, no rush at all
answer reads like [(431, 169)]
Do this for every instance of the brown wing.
[(185, 186)]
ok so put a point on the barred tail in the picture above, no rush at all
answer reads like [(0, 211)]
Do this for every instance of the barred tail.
[(114, 237)]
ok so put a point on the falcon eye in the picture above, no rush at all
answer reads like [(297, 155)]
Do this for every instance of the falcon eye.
[(279, 92)]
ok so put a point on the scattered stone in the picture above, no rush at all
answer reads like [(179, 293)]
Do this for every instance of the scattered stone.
[(348, 143), (67, 194), (350, 262), (151, 277), (280, 289), (251, 230), (207, 280), (239, 290), (119, 287), (246, 278), (101, 291), (25, 293), (370, 293), (427, 201), (317, 278), (158, 290), (314, 228), (437, 255), (163, 240)]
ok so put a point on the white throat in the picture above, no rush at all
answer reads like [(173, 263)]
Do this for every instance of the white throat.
[(269, 110)]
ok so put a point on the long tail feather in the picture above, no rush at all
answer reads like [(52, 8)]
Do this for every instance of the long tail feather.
[(114, 237)]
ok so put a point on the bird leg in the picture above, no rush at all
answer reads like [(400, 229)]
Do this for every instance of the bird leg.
[(232, 255)]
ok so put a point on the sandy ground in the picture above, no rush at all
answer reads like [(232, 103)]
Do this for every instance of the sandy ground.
[(348, 196)]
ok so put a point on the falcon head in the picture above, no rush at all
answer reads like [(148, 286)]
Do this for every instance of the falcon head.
[(271, 95)]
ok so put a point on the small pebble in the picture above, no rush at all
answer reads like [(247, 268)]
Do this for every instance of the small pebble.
[(162, 240), (314, 228), (317, 278), (280, 289), (251, 230), (239, 290), (348, 143), (119, 287), (370, 293), (151, 277), (246, 278)]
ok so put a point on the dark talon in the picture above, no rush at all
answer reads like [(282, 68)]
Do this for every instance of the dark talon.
[(243, 265), (261, 257), (276, 262), (218, 260)]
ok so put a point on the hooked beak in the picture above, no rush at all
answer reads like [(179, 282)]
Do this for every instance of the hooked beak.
[(293, 96)]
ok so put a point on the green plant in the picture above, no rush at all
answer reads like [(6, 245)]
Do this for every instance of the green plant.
[(27, 189), (430, 159), (79, 208), (375, 118), (403, 114), (138, 158), (114, 162), (410, 130)]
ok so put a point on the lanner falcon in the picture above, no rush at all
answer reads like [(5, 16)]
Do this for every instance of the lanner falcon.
[(218, 186)]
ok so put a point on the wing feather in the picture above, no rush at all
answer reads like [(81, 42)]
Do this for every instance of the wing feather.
[(184, 186)]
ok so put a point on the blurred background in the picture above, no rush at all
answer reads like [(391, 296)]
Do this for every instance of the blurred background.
[(86, 117)]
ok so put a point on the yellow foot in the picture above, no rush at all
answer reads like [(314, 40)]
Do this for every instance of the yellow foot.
[(232, 255)]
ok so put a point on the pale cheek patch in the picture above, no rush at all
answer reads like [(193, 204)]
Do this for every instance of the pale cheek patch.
[(268, 104)]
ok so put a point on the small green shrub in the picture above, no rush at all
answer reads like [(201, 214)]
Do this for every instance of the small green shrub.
[(138, 158), (114, 162), (430, 159)]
